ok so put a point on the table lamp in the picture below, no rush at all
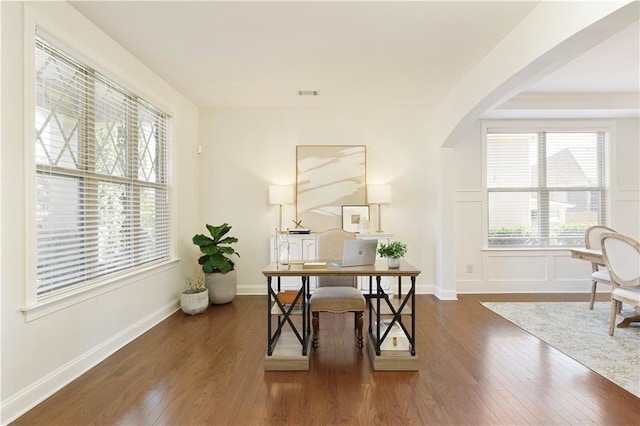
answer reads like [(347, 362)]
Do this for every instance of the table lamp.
[(379, 194), (280, 194)]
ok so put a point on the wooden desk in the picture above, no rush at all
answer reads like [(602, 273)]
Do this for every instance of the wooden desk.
[(590, 255), (281, 346)]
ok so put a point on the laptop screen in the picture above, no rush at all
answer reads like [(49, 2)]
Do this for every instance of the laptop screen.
[(359, 252)]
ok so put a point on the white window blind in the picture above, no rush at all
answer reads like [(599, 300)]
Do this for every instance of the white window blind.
[(102, 178), (544, 188)]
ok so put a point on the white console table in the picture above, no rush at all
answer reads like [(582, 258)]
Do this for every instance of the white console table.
[(303, 247)]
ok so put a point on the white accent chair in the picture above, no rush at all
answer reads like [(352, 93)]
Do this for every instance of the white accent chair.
[(622, 258), (592, 236), (335, 294)]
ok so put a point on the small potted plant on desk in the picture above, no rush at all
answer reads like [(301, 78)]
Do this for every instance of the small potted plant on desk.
[(195, 299), (219, 270), (393, 251)]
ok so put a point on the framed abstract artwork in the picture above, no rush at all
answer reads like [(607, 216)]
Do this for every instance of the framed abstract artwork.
[(327, 178), (352, 215)]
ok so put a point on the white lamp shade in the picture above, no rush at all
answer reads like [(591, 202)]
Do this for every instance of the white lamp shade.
[(281, 194), (379, 194)]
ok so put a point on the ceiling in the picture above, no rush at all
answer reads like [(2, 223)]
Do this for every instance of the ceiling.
[(355, 54)]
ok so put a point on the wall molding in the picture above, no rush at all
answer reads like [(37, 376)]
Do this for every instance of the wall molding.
[(35, 393), (572, 101), (526, 286)]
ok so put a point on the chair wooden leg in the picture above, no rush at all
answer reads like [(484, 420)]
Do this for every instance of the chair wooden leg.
[(315, 320), (594, 286), (359, 322), (614, 312)]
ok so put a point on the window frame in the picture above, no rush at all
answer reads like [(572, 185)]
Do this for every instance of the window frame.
[(549, 126), (36, 306)]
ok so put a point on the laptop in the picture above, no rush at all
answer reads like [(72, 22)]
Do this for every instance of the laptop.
[(358, 253)]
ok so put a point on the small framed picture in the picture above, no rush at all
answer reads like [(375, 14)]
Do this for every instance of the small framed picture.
[(352, 215)]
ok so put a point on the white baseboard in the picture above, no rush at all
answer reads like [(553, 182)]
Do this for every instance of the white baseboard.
[(19, 403), (423, 288), (524, 286), (252, 289), (445, 294)]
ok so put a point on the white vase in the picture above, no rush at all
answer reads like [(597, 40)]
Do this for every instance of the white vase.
[(194, 303), (284, 256), (393, 263), (222, 287), (363, 226)]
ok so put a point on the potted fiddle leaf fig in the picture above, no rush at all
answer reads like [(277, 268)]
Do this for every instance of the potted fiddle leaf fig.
[(195, 299), (393, 251), (219, 269)]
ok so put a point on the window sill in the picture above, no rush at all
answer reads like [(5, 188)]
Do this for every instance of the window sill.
[(523, 249), (62, 301)]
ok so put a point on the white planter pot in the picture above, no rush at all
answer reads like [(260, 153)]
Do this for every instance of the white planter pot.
[(222, 287), (194, 303), (393, 263)]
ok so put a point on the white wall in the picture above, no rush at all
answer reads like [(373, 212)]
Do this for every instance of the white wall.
[(527, 54), (246, 150), (626, 178), (515, 271), (40, 356), (521, 58)]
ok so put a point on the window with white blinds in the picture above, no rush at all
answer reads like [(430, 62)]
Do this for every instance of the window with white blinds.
[(544, 188), (101, 175)]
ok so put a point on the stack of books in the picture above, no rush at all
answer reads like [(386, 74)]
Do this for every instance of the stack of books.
[(314, 265), (287, 297), (299, 231)]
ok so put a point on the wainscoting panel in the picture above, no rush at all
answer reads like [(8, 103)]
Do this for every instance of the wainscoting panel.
[(529, 271), (564, 267), (516, 267)]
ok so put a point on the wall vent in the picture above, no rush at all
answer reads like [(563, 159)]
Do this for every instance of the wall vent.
[(307, 93)]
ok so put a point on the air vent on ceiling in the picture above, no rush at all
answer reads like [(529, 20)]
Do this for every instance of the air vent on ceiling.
[(307, 93)]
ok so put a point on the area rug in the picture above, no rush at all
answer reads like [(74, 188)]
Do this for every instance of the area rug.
[(616, 358)]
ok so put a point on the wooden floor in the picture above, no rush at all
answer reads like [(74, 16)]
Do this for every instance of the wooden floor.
[(475, 368)]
